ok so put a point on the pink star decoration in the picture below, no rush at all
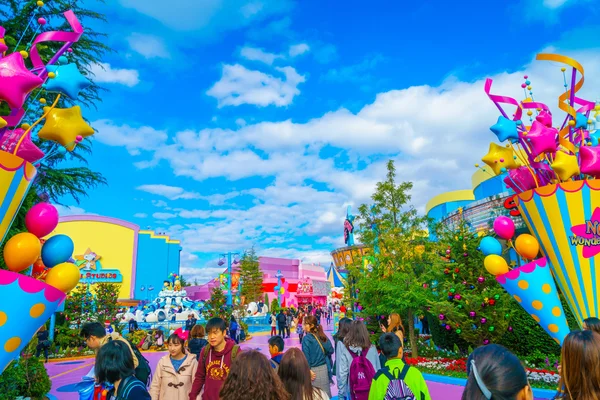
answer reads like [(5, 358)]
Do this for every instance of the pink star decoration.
[(581, 231), (16, 81), (541, 139), (27, 150), (589, 158)]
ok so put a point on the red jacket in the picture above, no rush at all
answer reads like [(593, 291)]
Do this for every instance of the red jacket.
[(212, 371)]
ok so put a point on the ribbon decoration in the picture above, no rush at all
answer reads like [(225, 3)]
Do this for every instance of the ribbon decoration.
[(569, 95), (497, 99), (55, 36), (3, 46)]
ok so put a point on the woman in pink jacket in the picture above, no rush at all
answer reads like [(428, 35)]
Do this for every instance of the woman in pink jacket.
[(174, 373)]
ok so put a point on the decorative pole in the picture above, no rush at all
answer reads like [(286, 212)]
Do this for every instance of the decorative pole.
[(279, 276), (229, 294), (349, 228)]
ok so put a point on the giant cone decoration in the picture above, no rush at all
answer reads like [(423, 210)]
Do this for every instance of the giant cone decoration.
[(565, 218)]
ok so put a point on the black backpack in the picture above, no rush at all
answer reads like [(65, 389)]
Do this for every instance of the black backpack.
[(143, 372), (125, 389)]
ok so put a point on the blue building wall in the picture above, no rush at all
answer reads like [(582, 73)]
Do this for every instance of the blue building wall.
[(441, 211), (157, 257), (490, 187)]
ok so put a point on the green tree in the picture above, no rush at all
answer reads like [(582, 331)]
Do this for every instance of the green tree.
[(251, 277), (469, 300), (107, 295), (79, 306), (274, 306), (394, 283), (216, 306), (56, 182)]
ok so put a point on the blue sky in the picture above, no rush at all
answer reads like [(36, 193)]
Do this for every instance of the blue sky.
[(232, 123)]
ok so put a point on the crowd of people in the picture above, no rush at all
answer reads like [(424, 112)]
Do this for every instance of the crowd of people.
[(209, 365)]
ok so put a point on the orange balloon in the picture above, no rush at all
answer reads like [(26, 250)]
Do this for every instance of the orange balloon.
[(63, 276), (21, 251), (527, 246)]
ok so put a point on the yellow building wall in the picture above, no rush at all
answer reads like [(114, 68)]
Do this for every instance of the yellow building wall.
[(114, 243)]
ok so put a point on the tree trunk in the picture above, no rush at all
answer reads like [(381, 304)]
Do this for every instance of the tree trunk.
[(411, 334)]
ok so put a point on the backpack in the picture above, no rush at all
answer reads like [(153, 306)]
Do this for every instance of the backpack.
[(143, 372), (361, 375), (234, 326), (274, 364), (397, 388), (126, 388)]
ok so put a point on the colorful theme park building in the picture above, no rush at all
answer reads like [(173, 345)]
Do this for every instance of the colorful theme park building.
[(112, 250), (291, 281)]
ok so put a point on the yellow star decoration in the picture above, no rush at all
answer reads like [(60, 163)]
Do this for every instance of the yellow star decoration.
[(565, 165), (63, 125), (3, 123), (499, 157)]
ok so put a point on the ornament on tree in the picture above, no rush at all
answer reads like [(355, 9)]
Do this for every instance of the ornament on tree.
[(481, 279), (448, 327), (459, 331), (491, 329), (442, 316), (472, 314), (483, 320), (486, 342), (510, 328), (457, 297)]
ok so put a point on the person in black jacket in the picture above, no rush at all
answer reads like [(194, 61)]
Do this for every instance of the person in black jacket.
[(43, 342), (114, 364), (197, 340), (133, 325), (191, 322), (281, 322)]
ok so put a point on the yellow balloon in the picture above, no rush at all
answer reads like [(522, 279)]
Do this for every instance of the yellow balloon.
[(527, 246), (63, 125), (21, 251), (495, 264), (565, 165), (499, 157), (63, 276)]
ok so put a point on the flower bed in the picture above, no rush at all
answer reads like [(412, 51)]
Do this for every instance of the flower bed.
[(541, 378)]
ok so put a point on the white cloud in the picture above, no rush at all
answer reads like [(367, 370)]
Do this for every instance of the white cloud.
[(254, 54), (140, 215), (163, 215), (554, 3), (298, 49), (239, 85), (170, 192), (64, 211), (133, 139), (148, 46), (104, 73)]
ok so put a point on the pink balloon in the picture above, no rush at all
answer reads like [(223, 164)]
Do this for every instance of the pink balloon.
[(41, 219), (504, 227)]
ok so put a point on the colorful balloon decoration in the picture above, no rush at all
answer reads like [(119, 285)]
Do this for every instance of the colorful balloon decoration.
[(489, 245), (504, 227), (495, 265), (37, 300), (558, 195)]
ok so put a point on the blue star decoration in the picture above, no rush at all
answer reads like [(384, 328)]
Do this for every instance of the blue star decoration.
[(595, 138), (68, 80), (581, 121), (505, 129)]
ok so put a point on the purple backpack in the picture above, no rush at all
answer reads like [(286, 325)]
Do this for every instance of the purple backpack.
[(361, 375)]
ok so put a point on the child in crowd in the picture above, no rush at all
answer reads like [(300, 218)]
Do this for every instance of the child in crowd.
[(580, 366), (397, 377), (355, 345), (296, 377), (174, 373), (318, 351), (273, 321), (276, 350), (159, 338), (197, 341), (252, 378), (215, 361)]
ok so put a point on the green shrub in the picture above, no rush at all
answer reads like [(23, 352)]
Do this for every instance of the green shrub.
[(27, 378), (136, 337)]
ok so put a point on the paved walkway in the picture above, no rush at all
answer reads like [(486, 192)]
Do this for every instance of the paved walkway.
[(65, 375)]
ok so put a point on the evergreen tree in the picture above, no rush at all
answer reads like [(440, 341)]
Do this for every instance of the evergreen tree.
[(251, 277), (79, 306), (107, 295), (465, 298), (216, 306), (394, 282)]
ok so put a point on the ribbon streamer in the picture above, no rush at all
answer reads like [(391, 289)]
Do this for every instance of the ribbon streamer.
[(497, 99), (55, 36), (569, 95)]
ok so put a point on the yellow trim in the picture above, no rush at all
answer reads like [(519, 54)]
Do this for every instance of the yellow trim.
[(457, 195), (153, 235)]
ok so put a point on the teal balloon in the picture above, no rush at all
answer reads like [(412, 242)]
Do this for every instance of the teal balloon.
[(489, 245), (58, 249)]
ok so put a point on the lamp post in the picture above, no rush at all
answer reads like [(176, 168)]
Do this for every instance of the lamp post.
[(229, 256)]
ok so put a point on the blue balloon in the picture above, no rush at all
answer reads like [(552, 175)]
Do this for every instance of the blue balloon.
[(58, 249), (489, 245)]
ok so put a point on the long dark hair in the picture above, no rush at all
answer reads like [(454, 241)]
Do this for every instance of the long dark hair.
[(500, 372), (344, 327), (580, 366), (295, 375), (358, 336), (114, 362), (317, 329), (252, 378)]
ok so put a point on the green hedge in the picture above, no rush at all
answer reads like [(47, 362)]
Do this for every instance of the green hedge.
[(27, 378)]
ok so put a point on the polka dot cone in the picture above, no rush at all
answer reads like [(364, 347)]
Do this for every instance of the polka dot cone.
[(533, 288), (25, 305)]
